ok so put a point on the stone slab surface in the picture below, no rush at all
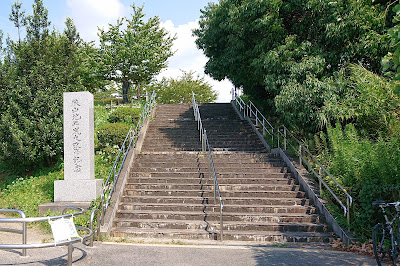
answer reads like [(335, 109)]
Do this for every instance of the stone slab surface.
[(77, 190), (59, 206)]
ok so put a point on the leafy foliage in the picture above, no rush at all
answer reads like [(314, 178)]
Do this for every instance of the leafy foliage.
[(368, 170), (391, 62), (291, 54), (33, 76), (125, 115), (134, 51), (368, 100), (112, 134), (180, 90)]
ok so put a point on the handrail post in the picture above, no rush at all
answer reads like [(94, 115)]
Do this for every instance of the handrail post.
[(300, 161), (272, 131), (204, 140), (256, 118), (24, 237), (320, 179), (284, 141), (348, 212), (263, 125), (215, 193), (222, 225), (70, 249), (279, 131)]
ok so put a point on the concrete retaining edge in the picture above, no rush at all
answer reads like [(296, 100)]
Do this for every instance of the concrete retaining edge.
[(111, 212)]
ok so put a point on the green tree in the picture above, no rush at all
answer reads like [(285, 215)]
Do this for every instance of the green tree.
[(17, 16), (233, 35), (391, 62), (179, 90), (289, 54), (134, 51), (34, 74)]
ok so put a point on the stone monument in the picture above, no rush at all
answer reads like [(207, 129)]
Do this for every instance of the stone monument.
[(79, 184)]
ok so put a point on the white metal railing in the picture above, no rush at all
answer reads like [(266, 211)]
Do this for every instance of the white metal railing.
[(251, 111), (129, 142), (205, 146), (24, 221)]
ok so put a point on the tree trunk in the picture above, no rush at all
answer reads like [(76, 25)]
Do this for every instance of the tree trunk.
[(125, 90)]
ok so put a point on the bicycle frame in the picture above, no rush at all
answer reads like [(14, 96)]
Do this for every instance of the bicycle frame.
[(387, 230), (389, 222)]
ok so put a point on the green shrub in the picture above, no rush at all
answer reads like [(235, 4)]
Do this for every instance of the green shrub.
[(125, 115), (368, 170), (112, 134)]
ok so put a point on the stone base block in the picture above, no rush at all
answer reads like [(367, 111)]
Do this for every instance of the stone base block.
[(59, 206), (77, 190)]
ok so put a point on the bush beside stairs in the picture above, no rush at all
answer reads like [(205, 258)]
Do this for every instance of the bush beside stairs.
[(169, 193)]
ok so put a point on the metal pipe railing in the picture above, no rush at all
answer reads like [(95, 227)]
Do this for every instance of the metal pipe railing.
[(322, 170), (251, 111), (129, 142), (24, 246), (211, 169)]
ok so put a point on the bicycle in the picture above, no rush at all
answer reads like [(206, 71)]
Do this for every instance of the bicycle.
[(383, 236)]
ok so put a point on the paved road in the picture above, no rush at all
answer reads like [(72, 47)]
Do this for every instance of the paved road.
[(162, 254)]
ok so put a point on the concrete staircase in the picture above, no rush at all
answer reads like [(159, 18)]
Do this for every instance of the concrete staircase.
[(169, 194)]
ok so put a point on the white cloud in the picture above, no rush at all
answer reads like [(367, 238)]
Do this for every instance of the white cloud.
[(90, 14), (187, 57)]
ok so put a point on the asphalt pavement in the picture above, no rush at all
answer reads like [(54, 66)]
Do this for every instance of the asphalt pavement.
[(103, 253)]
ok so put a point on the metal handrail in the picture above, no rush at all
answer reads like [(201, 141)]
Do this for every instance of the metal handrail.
[(206, 147), (129, 142), (24, 246), (250, 110)]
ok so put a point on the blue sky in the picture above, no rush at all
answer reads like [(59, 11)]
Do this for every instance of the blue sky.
[(177, 16)]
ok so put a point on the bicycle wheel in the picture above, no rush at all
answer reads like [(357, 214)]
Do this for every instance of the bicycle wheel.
[(381, 242)]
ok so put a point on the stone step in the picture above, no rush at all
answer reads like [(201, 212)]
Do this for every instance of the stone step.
[(275, 236), (157, 149), (183, 207), (172, 125), (160, 138), (154, 148), (186, 136), (167, 233), (215, 217), (205, 163), (222, 170), (210, 200), (228, 226), (209, 186), (182, 169), (235, 157), (163, 224), (266, 236), (195, 174), (166, 126), (206, 180), (226, 194)]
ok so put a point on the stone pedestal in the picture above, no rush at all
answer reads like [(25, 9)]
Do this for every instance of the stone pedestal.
[(79, 183)]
